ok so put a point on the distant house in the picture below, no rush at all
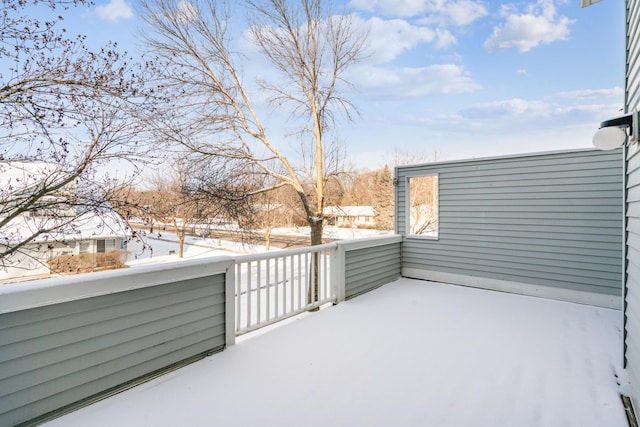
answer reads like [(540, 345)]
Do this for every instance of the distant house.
[(349, 216), (59, 227)]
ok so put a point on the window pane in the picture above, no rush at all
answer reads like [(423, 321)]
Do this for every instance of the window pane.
[(110, 245), (423, 206), (100, 248), (84, 247)]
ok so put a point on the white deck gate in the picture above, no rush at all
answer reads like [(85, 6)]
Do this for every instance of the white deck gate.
[(273, 286)]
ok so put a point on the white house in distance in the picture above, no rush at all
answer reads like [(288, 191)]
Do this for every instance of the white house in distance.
[(71, 232), (349, 216)]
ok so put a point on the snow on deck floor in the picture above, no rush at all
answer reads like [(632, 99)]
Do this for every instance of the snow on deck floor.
[(411, 353)]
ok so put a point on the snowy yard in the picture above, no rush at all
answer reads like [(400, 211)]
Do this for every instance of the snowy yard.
[(411, 353), (166, 243)]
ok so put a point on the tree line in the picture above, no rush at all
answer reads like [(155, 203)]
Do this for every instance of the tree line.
[(182, 201)]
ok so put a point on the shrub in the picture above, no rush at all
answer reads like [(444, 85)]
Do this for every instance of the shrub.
[(85, 263)]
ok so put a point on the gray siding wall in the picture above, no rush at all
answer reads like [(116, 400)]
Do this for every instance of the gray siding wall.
[(632, 288), (550, 220), (55, 355), (370, 264)]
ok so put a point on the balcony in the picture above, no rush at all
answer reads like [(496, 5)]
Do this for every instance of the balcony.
[(409, 352)]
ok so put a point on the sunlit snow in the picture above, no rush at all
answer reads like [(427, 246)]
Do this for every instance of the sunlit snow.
[(163, 246), (412, 353)]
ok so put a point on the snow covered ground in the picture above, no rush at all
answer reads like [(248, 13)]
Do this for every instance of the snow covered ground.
[(338, 233), (164, 245), (165, 248), (411, 353)]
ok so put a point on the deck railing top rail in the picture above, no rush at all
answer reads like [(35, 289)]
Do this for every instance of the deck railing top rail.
[(284, 252), (38, 293)]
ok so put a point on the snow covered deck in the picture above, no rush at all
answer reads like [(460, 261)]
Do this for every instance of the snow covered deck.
[(411, 353)]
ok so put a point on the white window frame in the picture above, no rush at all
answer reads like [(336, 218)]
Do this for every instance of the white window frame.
[(408, 207), (110, 245)]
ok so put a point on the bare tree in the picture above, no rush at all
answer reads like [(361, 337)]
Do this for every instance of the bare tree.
[(133, 205), (358, 188), (267, 214), (194, 194), (75, 109), (309, 50), (403, 156), (268, 210), (173, 203)]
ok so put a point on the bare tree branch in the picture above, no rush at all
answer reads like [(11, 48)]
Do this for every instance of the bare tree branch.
[(67, 113)]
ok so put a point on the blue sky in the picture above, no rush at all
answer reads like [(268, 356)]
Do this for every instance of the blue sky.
[(464, 78)]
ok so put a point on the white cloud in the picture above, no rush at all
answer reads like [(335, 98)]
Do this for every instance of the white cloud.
[(378, 76), (115, 10), (444, 39), (433, 80), (464, 12), (444, 12), (592, 93), (521, 72), (390, 38), (530, 115), (187, 12), (593, 111), (524, 31), (403, 8), (508, 108), (387, 39)]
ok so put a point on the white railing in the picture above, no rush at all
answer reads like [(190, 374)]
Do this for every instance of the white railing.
[(273, 286)]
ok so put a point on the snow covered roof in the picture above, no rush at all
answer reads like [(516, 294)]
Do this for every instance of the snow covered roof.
[(348, 210), (90, 225), (25, 174), (440, 355), (20, 177)]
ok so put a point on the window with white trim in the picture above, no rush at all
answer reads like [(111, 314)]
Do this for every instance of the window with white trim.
[(84, 247), (106, 245), (423, 206), (110, 245)]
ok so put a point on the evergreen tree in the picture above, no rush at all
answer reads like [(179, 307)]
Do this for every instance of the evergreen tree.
[(384, 199)]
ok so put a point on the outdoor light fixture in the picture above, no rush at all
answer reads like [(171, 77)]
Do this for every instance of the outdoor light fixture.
[(611, 134)]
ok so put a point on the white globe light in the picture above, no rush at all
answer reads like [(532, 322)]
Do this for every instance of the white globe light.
[(609, 138)]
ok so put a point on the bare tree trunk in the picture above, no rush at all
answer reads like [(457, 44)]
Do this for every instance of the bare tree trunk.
[(314, 276), (314, 279), (181, 245), (180, 233), (316, 225), (267, 238)]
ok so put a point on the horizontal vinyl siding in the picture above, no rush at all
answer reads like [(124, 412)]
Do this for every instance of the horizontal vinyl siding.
[(632, 317), (633, 56), (632, 297), (549, 219), (369, 268), (56, 355), (632, 280)]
